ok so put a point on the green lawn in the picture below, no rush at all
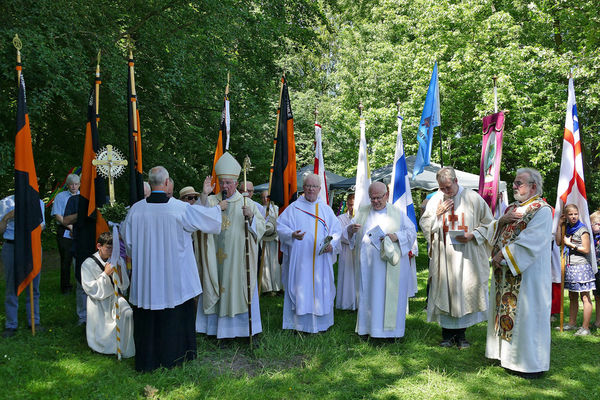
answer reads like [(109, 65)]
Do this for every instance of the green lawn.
[(336, 364)]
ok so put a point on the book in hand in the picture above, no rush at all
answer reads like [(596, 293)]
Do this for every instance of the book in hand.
[(324, 244), (376, 235), (453, 235)]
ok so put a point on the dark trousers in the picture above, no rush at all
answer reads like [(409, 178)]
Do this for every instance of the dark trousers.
[(453, 334), (164, 338), (66, 258)]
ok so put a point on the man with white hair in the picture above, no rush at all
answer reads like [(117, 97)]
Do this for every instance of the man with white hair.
[(458, 272), (223, 307), (164, 280), (309, 233), (381, 235), (518, 332), (63, 232)]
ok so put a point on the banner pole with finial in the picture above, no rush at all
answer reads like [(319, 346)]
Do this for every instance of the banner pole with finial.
[(19, 45), (97, 89), (495, 94)]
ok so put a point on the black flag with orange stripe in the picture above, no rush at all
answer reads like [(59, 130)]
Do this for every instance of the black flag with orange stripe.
[(28, 214), (92, 193), (223, 130), (284, 188), (136, 173)]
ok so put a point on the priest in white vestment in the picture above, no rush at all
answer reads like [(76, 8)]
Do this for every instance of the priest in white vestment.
[(271, 269), (223, 307), (164, 276), (382, 236), (346, 297), (97, 276), (458, 272), (309, 233), (518, 332)]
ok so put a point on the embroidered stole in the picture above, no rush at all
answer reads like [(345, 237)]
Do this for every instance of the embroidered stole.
[(507, 285)]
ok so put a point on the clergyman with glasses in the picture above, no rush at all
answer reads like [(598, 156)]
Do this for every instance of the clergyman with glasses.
[(518, 333), (458, 270), (309, 233)]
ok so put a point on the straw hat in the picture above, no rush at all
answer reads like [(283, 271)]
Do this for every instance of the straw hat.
[(187, 191)]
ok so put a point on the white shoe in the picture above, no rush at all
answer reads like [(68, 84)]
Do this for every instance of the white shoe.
[(582, 332)]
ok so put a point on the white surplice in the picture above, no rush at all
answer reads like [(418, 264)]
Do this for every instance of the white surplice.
[(459, 274), (346, 297), (101, 326), (373, 272), (529, 256), (309, 288), (158, 240)]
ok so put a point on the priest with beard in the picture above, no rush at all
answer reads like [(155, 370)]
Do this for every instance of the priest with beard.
[(518, 332), (309, 233)]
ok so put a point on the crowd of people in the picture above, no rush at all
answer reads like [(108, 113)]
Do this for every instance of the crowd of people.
[(198, 264)]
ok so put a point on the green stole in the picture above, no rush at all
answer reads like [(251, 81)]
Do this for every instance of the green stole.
[(392, 277)]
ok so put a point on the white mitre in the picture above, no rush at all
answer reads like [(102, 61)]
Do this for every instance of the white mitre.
[(227, 167)]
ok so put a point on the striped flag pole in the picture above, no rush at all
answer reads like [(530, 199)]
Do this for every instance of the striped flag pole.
[(114, 260)]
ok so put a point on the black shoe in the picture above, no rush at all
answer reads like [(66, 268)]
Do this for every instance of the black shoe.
[(447, 343), (9, 332), (463, 344), (526, 375), (39, 328)]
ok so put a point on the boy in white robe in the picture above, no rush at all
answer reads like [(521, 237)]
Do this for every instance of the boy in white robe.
[(97, 276)]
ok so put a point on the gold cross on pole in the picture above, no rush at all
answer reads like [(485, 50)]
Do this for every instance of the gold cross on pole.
[(110, 164)]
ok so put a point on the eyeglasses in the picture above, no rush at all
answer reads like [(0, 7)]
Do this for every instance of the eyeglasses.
[(519, 183), (190, 197), (377, 198), (312, 187)]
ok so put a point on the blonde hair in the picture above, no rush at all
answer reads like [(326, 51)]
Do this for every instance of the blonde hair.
[(595, 216), (570, 207)]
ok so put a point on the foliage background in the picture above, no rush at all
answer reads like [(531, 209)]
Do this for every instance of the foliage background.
[(335, 53)]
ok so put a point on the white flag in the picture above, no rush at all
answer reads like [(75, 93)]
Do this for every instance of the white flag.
[(571, 185), (363, 175)]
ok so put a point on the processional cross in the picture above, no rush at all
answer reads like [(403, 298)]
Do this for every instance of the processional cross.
[(110, 164)]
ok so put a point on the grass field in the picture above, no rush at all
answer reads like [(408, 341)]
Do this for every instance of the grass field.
[(336, 364)]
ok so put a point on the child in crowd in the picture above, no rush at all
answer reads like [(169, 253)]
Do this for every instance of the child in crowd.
[(579, 275), (595, 220)]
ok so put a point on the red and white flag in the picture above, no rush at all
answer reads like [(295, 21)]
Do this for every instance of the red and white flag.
[(320, 164), (571, 185)]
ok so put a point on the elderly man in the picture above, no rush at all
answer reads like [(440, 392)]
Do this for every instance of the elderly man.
[(164, 278), (63, 232), (271, 269), (309, 233), (347, 283), (518, 332), (223, 307), (458, 273), (382, 236)]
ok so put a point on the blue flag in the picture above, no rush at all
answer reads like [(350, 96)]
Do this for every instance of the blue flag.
[(430, 118)]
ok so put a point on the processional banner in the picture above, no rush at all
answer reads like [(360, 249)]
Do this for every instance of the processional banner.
[(491, 155)]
